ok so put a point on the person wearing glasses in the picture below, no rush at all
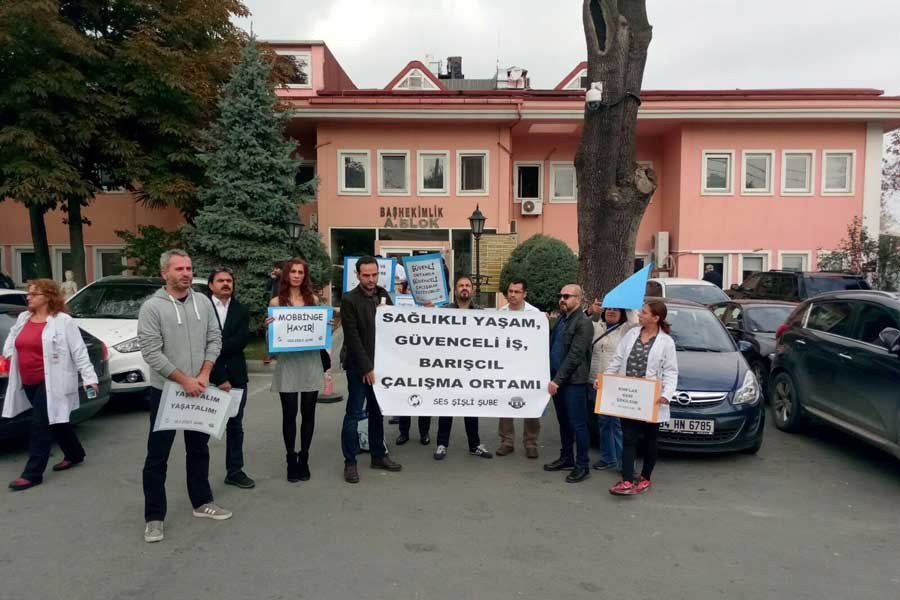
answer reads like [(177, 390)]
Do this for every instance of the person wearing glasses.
[(230, 368), (46, 353), (570, 363)]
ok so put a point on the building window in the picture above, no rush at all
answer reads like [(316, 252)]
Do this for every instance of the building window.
[(62, 262), (108, 262), (719, 263), (528, 181), (794, 262), (797, 172), (752, 263), (393, 172), (432, 172), (579, 81), (25, 265), (757, 172), (306, 175), (563, 185), (837, 176), (472, 169), (353, 172), (300, 64), (415, 80), (718, 169)]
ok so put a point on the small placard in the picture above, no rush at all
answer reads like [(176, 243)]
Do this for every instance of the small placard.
[(628, 397), (427, 281), (297, 328)]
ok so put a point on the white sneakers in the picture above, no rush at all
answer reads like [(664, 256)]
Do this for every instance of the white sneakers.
[(153, 531)]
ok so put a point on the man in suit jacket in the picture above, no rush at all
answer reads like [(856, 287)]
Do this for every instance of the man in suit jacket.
[(230, 368)]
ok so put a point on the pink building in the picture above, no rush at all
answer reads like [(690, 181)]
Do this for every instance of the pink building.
[(748, 179)]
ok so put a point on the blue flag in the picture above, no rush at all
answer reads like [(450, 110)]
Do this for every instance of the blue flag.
[(630, 293)]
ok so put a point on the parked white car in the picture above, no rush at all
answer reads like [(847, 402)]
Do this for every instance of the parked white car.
[(14, 297), (108, 310), (682, 288)]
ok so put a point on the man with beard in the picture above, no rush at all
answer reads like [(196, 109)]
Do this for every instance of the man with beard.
[(463, 299)]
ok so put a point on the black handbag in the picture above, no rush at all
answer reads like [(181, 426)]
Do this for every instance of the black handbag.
[(326, 359)]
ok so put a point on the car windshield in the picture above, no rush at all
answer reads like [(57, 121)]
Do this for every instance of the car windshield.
[(7, 320), (703, 294), (766, 319), (110, 301), (698, 330), (834, 283)]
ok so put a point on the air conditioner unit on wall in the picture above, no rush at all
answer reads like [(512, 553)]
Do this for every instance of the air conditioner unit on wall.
[(532, 207), (659, 255)]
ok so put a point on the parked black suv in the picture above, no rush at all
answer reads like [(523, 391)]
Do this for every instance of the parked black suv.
[(838, 358), (795, 286)]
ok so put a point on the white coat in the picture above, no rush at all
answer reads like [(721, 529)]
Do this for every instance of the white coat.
[(662, 364), (65, 355)]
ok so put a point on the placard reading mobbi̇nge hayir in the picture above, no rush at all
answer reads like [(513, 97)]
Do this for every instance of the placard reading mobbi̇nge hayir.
[(297, 328)]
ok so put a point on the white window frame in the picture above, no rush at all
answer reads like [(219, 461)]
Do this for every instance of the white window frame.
[(420, 173), (487, 172), (56, 267), (726, 266), (427, 83), (575, 82), (307, 162), (851, 179), (729, 191), (406, 171), (97, 251), (17, 263), (555, 167), (342, 189), (765, 254), (528, 163), (812, 173), (805, 254), (769, 189), (308, 55)]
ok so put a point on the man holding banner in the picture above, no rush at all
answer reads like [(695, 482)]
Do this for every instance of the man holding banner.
[(463, 290), (180, 340), (570, 362), (358, 308)]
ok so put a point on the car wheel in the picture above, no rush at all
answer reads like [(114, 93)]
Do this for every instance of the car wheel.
[(786, 408), (762, 377)]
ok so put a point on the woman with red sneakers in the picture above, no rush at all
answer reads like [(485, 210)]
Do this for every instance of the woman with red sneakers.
[(647, 352), (46, 353)]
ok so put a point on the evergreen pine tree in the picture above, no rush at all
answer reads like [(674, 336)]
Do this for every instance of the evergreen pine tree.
[(252, 189)]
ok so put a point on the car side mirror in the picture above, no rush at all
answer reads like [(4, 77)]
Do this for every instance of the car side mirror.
[(735, 287), (744, 345), (890, 337)]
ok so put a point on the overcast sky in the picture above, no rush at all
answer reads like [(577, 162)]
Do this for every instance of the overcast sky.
[(697, 44)]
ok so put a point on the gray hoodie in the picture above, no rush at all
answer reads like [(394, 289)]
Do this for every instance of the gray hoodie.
[(177, 335)]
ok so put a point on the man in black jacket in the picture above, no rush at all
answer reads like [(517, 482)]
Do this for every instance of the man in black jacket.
[(358, 357), (230, 368), (570, 364)]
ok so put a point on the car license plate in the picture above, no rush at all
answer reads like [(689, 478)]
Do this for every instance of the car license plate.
[(696, 426)]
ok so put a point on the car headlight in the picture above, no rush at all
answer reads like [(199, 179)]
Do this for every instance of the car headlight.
[(127, 346), (748, 393)]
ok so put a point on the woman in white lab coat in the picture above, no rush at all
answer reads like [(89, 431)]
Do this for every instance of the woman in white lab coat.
[(646, 352), (46, 353)]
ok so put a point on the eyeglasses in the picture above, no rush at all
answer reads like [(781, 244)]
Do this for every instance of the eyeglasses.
[(567, 296), (35, 294)]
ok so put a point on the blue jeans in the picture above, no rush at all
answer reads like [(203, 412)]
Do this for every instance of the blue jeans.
[(359, 392), (610, 439), (571, 413)]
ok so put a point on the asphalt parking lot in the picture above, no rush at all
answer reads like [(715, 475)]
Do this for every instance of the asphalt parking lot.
[(811, 516)]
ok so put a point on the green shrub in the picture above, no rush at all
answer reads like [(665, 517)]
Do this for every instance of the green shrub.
[(546, 264)]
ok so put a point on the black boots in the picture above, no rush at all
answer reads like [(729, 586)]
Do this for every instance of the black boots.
[(293, 467), (298, 466), (303, 466)]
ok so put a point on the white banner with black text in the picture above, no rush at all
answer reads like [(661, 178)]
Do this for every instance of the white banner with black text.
[(455, 362)]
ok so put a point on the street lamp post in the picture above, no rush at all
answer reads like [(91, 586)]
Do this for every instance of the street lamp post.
[(476, 222)]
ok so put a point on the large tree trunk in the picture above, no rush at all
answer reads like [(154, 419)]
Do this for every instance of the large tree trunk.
[(36, 214), (613, 191), (76, 242)]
